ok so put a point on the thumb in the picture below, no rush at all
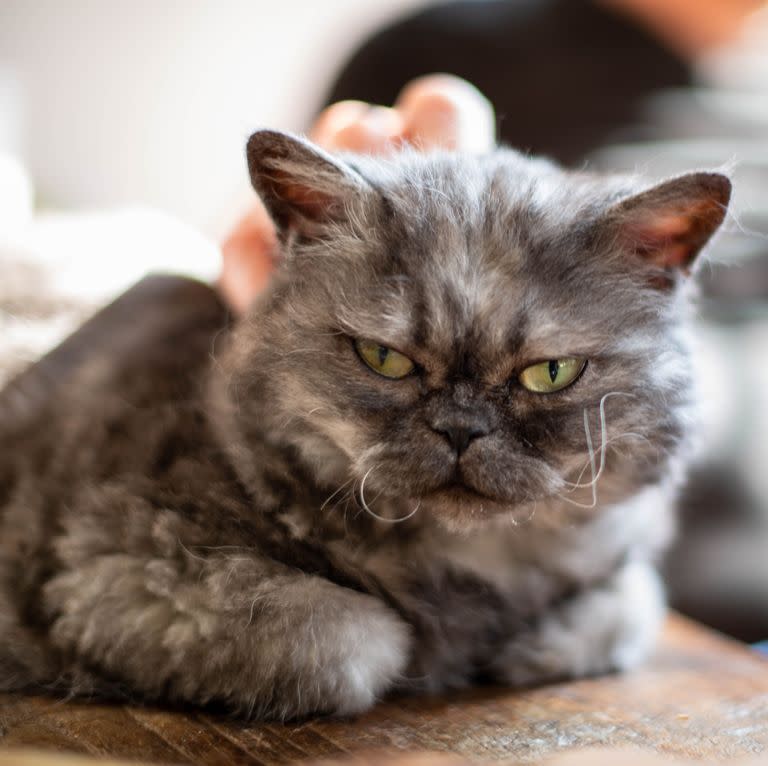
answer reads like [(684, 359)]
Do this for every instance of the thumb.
[(443, 111), (248, 258)]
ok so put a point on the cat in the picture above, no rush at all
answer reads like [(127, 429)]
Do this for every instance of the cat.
[(442, 447)]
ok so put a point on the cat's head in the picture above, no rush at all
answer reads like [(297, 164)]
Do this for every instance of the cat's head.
[(471, 336)]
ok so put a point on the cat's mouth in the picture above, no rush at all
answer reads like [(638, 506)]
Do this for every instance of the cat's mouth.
[(459, 490)]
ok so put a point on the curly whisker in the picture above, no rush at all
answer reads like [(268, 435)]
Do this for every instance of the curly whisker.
[(595, 469), (375, 515)]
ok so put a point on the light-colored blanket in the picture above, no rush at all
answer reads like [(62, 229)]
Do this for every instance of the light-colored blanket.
[(58, 269)]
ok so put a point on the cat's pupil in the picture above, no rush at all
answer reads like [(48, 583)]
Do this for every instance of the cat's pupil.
[(383, 354), (554, 368)]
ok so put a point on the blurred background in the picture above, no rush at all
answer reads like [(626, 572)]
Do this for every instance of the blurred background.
[(114, 102), (122, 126), (122, 132)]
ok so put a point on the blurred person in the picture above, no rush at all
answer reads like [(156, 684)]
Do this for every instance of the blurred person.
[(564, 77), (667, 84)]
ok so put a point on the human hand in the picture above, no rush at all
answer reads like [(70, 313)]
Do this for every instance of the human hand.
[(436, 111)]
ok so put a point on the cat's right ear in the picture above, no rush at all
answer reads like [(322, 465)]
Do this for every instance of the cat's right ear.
[(668, 225), (302, 187)]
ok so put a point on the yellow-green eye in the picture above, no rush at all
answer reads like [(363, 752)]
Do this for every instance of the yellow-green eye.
[(552, 375), (385, 361)]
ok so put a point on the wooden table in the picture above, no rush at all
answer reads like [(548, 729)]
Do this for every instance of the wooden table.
[(702, 696)]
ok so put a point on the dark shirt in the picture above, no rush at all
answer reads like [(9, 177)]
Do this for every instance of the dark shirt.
[(565, 76)]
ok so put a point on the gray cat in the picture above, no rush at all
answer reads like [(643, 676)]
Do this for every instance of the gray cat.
[(441, 447)]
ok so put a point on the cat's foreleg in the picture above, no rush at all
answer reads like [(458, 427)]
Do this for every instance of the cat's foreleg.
[(262, 639), (607, 628)]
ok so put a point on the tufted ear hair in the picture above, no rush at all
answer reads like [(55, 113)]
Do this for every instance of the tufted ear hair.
[(302, 187), (669, 224)]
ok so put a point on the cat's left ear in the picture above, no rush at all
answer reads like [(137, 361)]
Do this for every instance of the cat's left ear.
[(302, 187), (669, 224)]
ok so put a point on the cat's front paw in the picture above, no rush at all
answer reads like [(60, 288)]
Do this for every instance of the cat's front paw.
[(613, 627), (284, 647), (349, 652), (373, 655)]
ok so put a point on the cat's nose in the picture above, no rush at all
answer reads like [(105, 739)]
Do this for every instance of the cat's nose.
[(461, 433)]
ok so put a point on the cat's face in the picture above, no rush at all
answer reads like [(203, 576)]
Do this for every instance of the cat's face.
[(472, 337)]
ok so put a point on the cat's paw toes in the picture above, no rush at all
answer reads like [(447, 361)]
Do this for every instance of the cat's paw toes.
[(372, 654)]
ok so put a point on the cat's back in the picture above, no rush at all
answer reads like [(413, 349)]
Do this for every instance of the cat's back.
[(143, 353), (118, 403)]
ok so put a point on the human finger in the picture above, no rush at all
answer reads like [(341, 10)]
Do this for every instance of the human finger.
[(358, 127), (443, 111), (248, 258)]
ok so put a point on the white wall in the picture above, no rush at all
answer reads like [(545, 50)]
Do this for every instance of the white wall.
[(150, 101)]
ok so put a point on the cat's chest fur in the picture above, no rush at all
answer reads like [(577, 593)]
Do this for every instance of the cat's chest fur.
[(465, 595)]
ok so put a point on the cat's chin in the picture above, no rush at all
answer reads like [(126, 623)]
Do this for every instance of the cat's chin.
[(461, 509)]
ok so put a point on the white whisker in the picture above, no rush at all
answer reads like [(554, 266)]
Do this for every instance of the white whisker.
[(530, 516), (375, 515), (596, 471), (335, 492)]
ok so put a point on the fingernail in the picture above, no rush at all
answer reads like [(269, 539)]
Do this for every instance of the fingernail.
[(383, 121)]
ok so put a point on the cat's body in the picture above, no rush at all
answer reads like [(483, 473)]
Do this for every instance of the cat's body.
[(251, 516)]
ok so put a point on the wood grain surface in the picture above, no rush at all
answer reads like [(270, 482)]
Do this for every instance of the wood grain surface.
[(701, 697)]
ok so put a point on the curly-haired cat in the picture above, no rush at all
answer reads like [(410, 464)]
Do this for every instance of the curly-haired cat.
[(441, 447)]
